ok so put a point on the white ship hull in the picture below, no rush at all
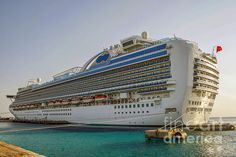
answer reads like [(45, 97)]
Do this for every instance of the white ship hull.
[(107, 115), (101, 115)]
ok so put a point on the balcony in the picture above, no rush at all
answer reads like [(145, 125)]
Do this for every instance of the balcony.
[(207, 71), (206, 64), (206, 83), (206, 89), (206, 77)]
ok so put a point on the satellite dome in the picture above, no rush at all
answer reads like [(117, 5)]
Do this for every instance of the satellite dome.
[(145, 35)]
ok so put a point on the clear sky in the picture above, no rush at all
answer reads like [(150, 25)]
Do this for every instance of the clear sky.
[(44, 37)]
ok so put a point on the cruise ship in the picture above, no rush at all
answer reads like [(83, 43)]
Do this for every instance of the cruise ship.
[(138, 82)]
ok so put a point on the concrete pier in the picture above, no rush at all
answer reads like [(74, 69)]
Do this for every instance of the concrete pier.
[(165, 134), (9, 150), (213, 127)]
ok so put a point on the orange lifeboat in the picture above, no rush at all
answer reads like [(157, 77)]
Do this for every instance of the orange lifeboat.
[(100, 97)]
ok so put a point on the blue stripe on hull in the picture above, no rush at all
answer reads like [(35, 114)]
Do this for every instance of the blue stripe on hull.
[(132, 55), (124, 63), (140, 53)]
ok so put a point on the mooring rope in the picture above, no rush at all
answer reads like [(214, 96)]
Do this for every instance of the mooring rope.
[(172, 122)]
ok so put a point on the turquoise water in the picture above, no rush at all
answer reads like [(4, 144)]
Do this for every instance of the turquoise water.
[(112, 143)]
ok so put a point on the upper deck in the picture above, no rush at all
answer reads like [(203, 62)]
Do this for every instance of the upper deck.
[(115, 57)]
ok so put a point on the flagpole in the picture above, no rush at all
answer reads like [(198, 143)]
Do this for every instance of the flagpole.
[(212, 53)]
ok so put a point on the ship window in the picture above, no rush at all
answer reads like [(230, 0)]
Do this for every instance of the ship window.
[(147, 111), (152, 104), (118, 106), (138, 111), (200, 109), (134, 111), (128, 43), (147, 105), (168, 110), (130, 112), (122, 112), (130, 106), (142, 105), (126, 112), (134, 106), (138, 105), (118, 112), (193, 109), (122, 106), (114, 107)]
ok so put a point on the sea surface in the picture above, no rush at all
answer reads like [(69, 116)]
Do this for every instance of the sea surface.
[(95, 142)]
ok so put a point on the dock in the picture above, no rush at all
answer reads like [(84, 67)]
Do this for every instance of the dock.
[(9, 150), (41, 121), (213, 127), (178, 133), (165, 134)]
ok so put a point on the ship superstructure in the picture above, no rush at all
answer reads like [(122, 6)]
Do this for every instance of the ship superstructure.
[(140, 81)]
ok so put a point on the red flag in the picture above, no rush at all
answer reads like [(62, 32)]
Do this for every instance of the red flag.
[(218, 49)]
